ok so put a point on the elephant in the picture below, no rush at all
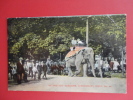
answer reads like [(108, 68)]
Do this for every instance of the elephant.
[(82, 58)]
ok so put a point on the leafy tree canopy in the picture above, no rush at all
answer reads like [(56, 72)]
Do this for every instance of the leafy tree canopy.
[(50, 36)]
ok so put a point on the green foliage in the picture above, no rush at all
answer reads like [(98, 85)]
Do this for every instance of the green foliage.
[(53, 35)]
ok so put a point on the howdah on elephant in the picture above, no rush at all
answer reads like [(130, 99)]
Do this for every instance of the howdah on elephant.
[(82, 58)]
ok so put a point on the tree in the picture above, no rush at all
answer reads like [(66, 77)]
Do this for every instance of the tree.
[(30, 37), (107, 32)]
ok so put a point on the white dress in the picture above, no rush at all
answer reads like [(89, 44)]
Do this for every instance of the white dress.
[(115, 66), (34, 70)]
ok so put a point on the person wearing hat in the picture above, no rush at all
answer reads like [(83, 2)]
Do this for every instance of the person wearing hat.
[(20, 71), (48, 64), (115, 66), (73, 42), (79, 42), (39, 68), (31, 65), (34, 71)]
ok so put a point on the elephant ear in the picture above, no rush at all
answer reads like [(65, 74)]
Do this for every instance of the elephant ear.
[(83, 51)]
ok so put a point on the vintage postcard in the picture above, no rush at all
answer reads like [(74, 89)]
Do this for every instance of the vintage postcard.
[(67, 54)]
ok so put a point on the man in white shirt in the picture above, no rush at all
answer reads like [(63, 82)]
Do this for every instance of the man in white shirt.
[(31, 64), (73, 42), (115, 66), (79, 42)]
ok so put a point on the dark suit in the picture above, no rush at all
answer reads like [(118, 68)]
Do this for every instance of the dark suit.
[(44, 68), (39, 68), (20, 72), (111, 65), (10, 70), (20, 68)]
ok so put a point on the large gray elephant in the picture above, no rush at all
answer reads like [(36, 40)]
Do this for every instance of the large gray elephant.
[(83, 58)]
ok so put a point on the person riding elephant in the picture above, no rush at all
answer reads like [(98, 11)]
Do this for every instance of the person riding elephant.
[(79, 43), (73, 42)]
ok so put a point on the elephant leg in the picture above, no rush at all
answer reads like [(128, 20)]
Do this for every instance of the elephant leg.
[(92, 67), (85, 70), (93, 71), (78, 69), (70, 73)]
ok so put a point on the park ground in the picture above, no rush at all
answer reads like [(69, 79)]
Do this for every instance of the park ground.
[(58, 83)]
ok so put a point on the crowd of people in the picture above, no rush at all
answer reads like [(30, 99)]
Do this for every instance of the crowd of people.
[(29, 68), (23, 69), (26, 68), (112, 65), (20, 71)]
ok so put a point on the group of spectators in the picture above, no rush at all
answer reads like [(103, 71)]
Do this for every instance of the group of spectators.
[(26, 68), (113, 65)]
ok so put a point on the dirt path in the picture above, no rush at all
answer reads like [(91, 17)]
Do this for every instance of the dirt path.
[(73, 84)]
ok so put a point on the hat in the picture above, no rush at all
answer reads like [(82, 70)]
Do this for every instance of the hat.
[(27, 59), (32, 60), (115, 59), (20, 58), (37, 61)]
